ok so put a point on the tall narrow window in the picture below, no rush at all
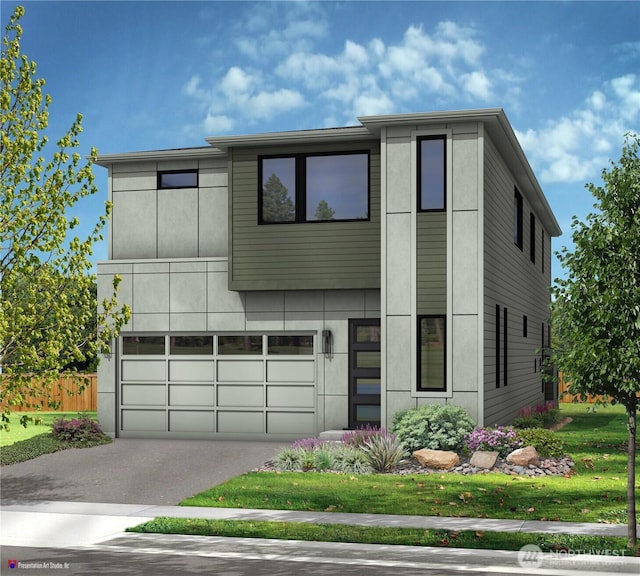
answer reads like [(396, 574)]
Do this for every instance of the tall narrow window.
[(524, 326), (432, 353), (517, 218), (505, 339), (497, 346), (542, 257), (278, 186), (431, 173), (532, 237)]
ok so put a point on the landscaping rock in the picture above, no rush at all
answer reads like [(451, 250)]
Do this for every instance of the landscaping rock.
[(524, 457), (438, 459), (483, 459)]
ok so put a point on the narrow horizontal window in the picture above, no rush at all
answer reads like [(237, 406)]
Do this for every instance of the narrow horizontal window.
[(296, 345), (431, 173), (183, 345), (140, 345), (239, 345), (313, 188), (432, 353), (178, 179)]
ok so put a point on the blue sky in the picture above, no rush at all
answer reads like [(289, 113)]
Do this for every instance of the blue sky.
[(153, 75)]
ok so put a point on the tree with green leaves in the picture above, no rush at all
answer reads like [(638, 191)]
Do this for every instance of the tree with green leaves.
[(324, 211), (277, 205), (597, 304), (47, 296)]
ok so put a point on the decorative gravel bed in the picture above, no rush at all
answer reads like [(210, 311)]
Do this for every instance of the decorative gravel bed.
[(548, 467)]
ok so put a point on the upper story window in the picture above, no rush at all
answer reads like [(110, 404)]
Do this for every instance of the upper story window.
[(517, 218), (178, 179), (313, 187), (532, 237), (431, 173)]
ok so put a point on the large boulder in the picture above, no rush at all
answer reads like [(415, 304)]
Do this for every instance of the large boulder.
[(482, 459), (438, 459), (524, 457)]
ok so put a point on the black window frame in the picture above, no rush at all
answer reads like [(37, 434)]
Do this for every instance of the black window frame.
[(505, 341), (420, 140), (532, 237), (525, 328), (497, 335), (419, 387), (161, 173), (300, 198), (517, 218)]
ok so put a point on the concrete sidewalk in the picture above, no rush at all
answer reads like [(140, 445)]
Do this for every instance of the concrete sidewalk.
[(72, 524)]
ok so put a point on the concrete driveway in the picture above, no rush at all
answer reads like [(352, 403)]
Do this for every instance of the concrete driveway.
[(131, 471)]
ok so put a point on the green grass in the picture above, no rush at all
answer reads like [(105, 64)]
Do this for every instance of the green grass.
[(377, 535), (595, 493), (17, 432), (21, 444)]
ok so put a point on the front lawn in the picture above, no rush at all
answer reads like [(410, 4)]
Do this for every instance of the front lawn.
[(595, 493), (20, 444), (475, 539), (41, 424)]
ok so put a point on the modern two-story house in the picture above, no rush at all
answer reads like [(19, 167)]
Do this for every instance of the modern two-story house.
[(284, 284)]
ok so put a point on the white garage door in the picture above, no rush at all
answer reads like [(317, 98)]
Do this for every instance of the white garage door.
[(201, 386)]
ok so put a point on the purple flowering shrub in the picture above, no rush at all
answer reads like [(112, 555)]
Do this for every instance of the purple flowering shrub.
[(501, 439), (361, 436), (79, 430), (307, 444)]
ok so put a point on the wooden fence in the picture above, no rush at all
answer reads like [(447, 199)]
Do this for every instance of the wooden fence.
[(563, 387), (85, 401)]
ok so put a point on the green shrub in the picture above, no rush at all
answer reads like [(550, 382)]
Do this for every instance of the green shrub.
[(351, 460), (522, 422), (552, 416), (434, 426), (289, 459), (383, 452), (324, 458), (546, 442)]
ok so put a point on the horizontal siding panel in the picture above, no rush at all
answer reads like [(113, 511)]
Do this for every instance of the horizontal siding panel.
[(511, 280), (295, 255), (431, 268)]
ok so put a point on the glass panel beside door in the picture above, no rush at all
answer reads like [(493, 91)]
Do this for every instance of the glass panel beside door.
[(364, 372)]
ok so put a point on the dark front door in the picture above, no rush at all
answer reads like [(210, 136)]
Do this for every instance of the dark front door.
[(364, 372)]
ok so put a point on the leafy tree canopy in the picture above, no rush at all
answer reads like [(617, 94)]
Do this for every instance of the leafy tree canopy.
[(597, 305), (277, 205), (324, 211), (47, 290)]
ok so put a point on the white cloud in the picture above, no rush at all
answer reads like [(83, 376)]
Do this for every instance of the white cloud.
[(477, 85), (217, 124), (576, 147), (266, 104), (442, 66)]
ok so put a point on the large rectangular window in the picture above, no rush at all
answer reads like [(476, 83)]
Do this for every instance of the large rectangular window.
[(314, 188), (432, 338), (517, 218), (431, 173), (178, 179)]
